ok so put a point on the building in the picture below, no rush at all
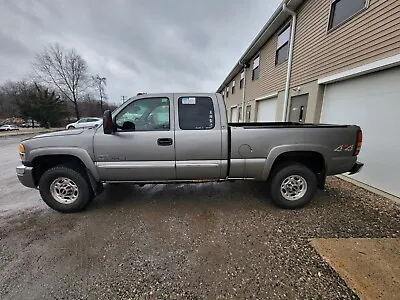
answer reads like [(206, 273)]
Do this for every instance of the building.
[(328, 61)]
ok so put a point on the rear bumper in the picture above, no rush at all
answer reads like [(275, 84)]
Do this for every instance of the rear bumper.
[(25, 176), (356, 168)]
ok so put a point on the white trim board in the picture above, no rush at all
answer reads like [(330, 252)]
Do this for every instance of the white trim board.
[(265, 97), (362, 70)]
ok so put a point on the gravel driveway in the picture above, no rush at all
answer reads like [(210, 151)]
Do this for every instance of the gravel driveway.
[(206, 241)]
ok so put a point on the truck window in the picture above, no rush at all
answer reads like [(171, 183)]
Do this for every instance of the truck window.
[(196, 113), (149, 114)]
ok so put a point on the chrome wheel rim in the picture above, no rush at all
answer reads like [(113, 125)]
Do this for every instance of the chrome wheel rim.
[(293, 187), (64, 190)]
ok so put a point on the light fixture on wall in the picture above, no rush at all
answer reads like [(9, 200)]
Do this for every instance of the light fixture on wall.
[(296, 89)]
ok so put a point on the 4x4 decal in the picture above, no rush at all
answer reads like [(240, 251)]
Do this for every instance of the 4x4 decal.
[(345, 147)]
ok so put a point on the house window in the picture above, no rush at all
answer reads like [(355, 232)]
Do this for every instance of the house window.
[(282, 46), (233, 87), (256, 68), (196, 113), (240, 114), (227, 92), (241, 83), (342, 10)]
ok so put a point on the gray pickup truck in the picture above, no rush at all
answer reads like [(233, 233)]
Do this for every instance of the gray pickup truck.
[(169, 138)]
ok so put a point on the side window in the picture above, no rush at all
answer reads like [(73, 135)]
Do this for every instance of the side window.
[(282, 46), (196, 113), (82, 121), (149, 114), (256, 68), (343, 10)]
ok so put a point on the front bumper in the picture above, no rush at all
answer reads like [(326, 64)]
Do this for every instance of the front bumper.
[(356, 168), (25, 176)]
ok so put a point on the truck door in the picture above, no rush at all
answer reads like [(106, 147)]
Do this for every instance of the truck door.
[(197, 137), (143, 148)]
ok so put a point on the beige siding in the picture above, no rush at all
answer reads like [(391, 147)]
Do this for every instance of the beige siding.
[(272, 78), (372, 35), (237, 97)]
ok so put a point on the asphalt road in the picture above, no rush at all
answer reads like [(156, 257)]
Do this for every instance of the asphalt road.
[(206, 241), (14, 196)]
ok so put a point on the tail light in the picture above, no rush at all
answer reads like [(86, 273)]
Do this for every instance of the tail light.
[(358, 142)]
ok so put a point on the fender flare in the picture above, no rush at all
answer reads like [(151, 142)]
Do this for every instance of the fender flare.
[(282, 149), (79, 153)]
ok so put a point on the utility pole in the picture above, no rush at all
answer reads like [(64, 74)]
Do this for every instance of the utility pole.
[(123, 98)]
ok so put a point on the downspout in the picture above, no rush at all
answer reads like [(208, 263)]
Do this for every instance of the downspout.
[(290, 59), (244, 89)]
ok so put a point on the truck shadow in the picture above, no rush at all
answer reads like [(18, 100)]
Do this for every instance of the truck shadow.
[(230, 195)]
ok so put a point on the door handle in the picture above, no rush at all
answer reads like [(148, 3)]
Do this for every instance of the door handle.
[(164, 142)]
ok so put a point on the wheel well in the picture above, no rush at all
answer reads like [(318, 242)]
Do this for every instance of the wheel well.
[(43, 163), (313, 160)]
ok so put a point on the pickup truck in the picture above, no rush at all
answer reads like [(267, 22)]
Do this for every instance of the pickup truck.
[(175, 138)]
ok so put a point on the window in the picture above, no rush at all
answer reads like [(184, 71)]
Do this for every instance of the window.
[(241, 83), (227, 92), (282, 46), (82, 121), (148, 114), (233, 87), (196, 113), (248, 113), (342, 10), (256, 68)]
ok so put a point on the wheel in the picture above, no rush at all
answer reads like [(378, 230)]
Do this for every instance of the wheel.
[(71, 127), (65, 189), (293, 186)]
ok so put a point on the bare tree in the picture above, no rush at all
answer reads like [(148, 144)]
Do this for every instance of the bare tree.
[(100, 83), (65, 70)]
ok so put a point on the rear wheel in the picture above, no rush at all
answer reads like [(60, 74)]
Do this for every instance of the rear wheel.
[(65, 189), (293, 186)]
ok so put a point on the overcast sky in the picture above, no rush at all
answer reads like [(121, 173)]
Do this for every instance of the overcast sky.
[(138, 45)]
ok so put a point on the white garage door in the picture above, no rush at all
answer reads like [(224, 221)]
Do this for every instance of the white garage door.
[(266, 110), (372, 102), (234, 115)]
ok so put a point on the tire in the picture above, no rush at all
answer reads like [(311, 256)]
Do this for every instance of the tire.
[(71, 127), (293, 186), (67, 180)]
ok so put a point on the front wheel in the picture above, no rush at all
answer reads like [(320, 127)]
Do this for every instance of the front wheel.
[(293, 186), (65, 189), (71, 127)]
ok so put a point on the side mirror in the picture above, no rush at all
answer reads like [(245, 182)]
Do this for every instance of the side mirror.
[(108, 124)]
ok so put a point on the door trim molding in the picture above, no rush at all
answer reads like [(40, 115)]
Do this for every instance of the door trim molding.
[(266, 97), (375, 66)]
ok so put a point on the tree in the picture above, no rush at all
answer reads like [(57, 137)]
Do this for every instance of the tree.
[(65, 71), (38, 103), (100, 83)]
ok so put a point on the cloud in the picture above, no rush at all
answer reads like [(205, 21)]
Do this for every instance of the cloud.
[(140, 46)]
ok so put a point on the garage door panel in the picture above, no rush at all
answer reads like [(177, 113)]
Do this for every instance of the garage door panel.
[(234, 115), (266, 110), (373, 103)]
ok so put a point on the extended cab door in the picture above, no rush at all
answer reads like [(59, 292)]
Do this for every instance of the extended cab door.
[(143, 148), (198, 137)]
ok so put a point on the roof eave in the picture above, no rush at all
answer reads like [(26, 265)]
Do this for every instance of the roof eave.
[(268, 30)]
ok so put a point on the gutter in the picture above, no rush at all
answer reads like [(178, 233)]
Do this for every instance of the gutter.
[(244, 89), (290, 60)]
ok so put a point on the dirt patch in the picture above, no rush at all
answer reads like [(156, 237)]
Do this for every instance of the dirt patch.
[(370, 266)]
